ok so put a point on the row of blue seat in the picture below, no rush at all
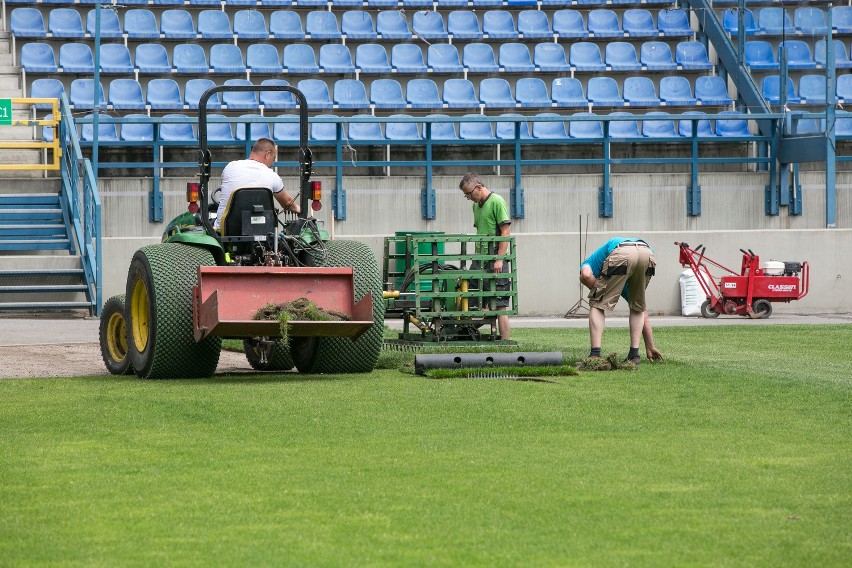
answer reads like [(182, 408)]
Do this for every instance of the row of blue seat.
[(370, 58), (631, 127), (775, 20), (532, 92), (362, 3), (28, 22), (760, 55), (811, 89)]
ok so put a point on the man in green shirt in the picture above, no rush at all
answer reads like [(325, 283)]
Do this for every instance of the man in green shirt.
[(490, 217)]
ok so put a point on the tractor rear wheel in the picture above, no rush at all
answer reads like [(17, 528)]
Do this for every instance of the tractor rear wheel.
[(762, 308), (341, 354), (707, 311), (264, 356), (112, 334), (160, 335)]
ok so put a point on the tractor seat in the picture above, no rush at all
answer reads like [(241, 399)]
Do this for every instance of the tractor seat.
[(249, 215)]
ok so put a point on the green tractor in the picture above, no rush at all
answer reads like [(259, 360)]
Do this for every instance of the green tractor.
[(200, 285)]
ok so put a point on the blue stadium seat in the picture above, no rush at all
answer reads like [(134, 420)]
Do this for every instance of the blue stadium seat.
[(586, 56), (568, 92), (443, 58), (139, 23), (350, 93), (476, 130), (166, 2), (692, 55), (549, 129), (674, 23), (585, 128), (386, 93), (324, 131), (286, 24), (65, 22), (163, 94), (335, 58), (487, 3), (76, 58), (310, 3), (459, 93), (712, 90), (239, 100), (189, 58), (365, 131), (798, 54), (841, 58), (807, 125), (604, 23), (38, 58), (533, 24), (135, 131), (214, 24), (532, 92), (357, 24), (204, 2), (285, 130), (704, 126), (638, 22), (429, 25), (402, 130), (658, 128), (760, 54), (496, 93), (47, 88), (550, 57), (261, 58), (841, 19), (316, 93), (771, 89), (640, 91), (451, 3), (82, 94), (220, 131), (390, 24), (240, 2), (843, 126), (27, 22), (463, 24), (603, 91), (300, 58), (499, 24), (812, 89), (177, 24), (843, 88), (624, 128), (372, 58), (277, 99), (656, 56), (320, 24), (440, 130), (382, 3), (193, 90), (774, 21), (479, 58), (621, 56), (177, 131), (346, 3), (506, 130), (555, 2), (407, 58), (110, 26), (255, 129), (569, 24), (250, 24), (676, 90), (733, 127), (151, 58), (126, 94), (226, 58), (515, 58), (423, 93), (810, 20), (106, 132), (730, 22), (115, 58)]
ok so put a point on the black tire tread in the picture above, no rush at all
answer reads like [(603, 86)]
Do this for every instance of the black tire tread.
[(113, 305)]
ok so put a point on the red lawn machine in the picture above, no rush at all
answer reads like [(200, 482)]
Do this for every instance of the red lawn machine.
[(752, 291)]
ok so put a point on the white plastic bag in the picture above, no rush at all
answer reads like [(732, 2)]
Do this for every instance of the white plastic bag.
[(691, 294)]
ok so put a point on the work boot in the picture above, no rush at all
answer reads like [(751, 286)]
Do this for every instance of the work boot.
[(635, 360)]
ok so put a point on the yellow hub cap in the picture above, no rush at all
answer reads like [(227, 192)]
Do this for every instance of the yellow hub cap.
[(116, 338), (139, 316)]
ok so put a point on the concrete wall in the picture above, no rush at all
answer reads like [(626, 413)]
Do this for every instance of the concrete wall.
[(550, 246)]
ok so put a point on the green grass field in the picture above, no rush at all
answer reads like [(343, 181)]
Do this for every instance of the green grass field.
[(735, 451)]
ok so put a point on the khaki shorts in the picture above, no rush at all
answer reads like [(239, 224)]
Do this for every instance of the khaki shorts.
[(630, 263)]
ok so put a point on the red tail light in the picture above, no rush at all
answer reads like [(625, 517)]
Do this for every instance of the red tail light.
[(316, 191), (193, 193)]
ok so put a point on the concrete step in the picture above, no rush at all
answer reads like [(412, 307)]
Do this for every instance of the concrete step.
[(17, 133), (30, 186), (20, 155)]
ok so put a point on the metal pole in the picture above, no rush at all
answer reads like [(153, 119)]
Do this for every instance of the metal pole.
[(96, 89), (830, 86)]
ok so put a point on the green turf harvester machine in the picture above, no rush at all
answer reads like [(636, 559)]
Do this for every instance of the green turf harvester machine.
[(200, 285)]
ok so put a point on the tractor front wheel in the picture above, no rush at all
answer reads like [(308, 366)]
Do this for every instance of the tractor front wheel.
[(707, 311), (267, 354), (113, 337)]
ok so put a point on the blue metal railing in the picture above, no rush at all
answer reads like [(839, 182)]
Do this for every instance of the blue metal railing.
[(79, 196)]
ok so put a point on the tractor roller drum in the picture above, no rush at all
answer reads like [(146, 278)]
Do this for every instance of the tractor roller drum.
[(422, 363)]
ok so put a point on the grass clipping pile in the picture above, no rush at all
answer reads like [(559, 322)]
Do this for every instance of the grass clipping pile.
[(611, 363), (300, 309)]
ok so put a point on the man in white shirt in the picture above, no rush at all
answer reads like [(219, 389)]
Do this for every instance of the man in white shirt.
[(256, 171)]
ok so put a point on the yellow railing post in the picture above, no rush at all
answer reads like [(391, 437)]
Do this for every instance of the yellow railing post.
[(7, 120)]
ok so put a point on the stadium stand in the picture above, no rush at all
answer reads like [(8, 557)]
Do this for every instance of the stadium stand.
[(443, 58), (164, 94)]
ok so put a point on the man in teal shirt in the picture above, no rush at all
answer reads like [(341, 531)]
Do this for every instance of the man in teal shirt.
[(490, 217)]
